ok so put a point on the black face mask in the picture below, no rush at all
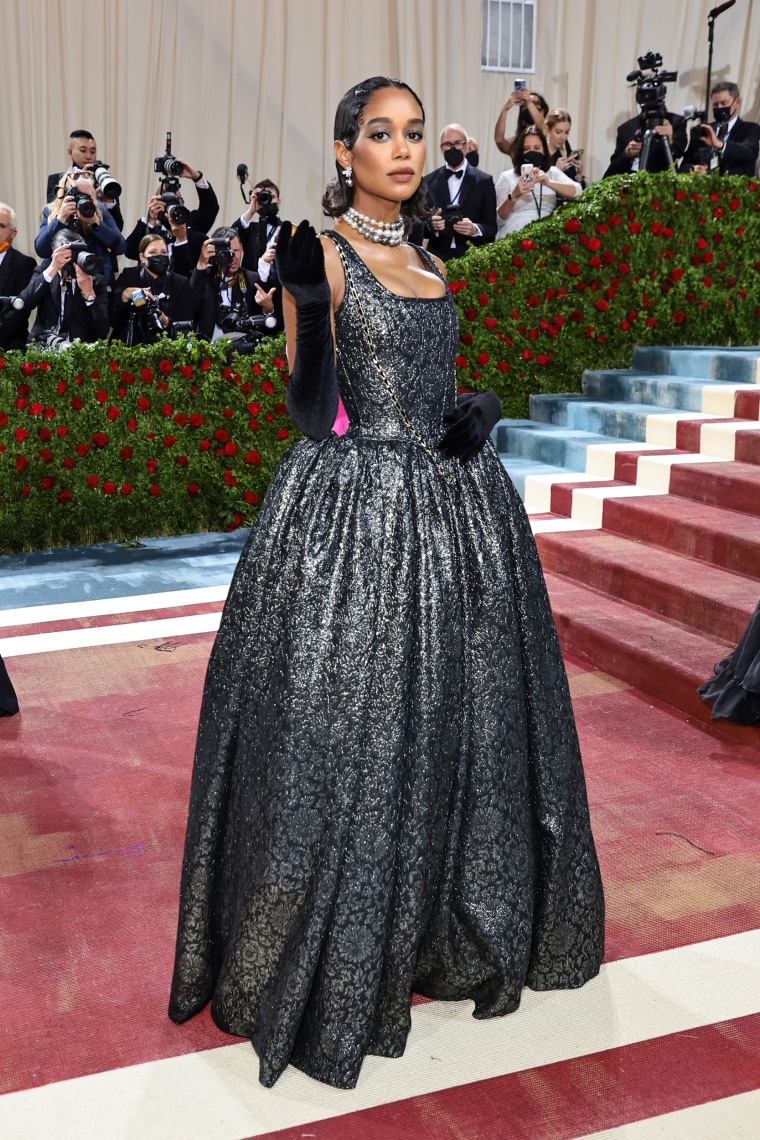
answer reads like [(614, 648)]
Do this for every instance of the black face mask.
[(266, 213), (537, 158), (453, 156), (473, 158), (158, 263), (722, 114)]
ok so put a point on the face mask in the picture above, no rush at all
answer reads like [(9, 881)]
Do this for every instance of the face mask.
[(473, 158), (158, 263), (3, 246), (722, 114), (269, 211), (453, 156), (537, 157)]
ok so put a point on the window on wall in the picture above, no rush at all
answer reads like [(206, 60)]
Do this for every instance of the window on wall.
[(509, 35)]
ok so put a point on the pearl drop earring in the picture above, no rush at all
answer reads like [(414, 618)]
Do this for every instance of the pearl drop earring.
[(347, 172)]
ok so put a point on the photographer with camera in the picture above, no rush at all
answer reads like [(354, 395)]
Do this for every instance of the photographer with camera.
[(655, 138), (530, 190), (16, 270), (729, 143), (83, 155), (532, 113), (149, 299), (183, 229), (465, 197), (232, 301), (70, 294), (77, 206), (258, 238)]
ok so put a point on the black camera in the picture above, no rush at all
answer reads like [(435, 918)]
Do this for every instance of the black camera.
[(149, 312), (107, 184), (82, 256), (451, 214), (85, 206), (650, 88), (7, 303), (167, 163), (245, 330), (175, 210), (223, 254), (264, 197)]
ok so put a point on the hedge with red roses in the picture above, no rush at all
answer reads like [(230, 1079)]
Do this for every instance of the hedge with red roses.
[(107, 443), (638, 259)]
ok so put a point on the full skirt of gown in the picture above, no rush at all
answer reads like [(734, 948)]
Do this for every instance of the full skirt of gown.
[(734, 690), (387, 794)]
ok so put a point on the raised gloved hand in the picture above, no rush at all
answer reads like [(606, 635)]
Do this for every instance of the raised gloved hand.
[(312, 396), (471, 423)]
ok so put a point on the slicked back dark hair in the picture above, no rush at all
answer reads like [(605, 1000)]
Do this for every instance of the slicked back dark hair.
[(338, 197)]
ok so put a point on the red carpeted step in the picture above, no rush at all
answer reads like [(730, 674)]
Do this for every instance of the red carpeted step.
[(703, 597), (711, 534), (734, 485), (659, 657), (748, 447)]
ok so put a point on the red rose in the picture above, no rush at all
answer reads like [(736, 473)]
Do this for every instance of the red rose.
[(193, 488), (61, 431), (99, 439), (269, 417), (146, 375), (150, 466), (625, 325), (679, 318), (492, 276), (143, 403), (127, 378), (230, 479), (222, 435), (92, 480), (3, 419), (707, 282), (651, 322), (165, 366), (483, 358), (196, 419), (182, 460), (253, 425), (21, 462), (518, 262), (594, 243), (253, 407), (125, 489), (186, 371), (595, 263), (77, 403), (256, 369), (267, 387), (527, 354), (227, 413), (180, 419), (44, 433), (503, 366), (46, 483), (252, 457), (572, 225), (109, 488), (45, 455), (601, 305), (279, 362), (132, 424), (101, 396), (20, 403), (204, 445), (81, 450), (635, 227), (226, 373), (281, 409), (230, 448), (27, 368), (113, 413), (35, 409), (48, 414), (25, 491), (125, 453), (169, 441), (21, 434), (573, 268), (121, 393), (526, 243), (64, 496), (282, 433), (155, 490), (251, 497), (461, 362), (167, 409)]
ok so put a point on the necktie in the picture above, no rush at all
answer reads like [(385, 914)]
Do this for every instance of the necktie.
[(722, 130)]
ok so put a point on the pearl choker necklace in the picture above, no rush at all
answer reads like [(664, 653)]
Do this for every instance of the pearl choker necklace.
[(387, 233)]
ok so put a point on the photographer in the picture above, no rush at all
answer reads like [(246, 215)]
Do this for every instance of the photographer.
[(83, 155), (15, 272), (729, 144), (229, 295), (258, 238), (530, 190), (655, 138), (166, 214), (149, 298), (77, 206), (533, 110), (70, 295), (465, 198)]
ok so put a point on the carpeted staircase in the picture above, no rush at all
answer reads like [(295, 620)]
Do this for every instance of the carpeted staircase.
[(644, 495)]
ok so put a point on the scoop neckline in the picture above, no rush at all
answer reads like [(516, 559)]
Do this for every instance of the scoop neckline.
[(399, 296)]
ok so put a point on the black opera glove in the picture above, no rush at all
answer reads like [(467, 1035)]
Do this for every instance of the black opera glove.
[(312, 396), (471, 423)]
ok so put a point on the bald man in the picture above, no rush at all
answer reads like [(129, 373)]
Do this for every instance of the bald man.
[(465, 199)]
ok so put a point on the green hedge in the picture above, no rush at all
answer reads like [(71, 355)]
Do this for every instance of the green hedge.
[(108, 443), (638, 259)]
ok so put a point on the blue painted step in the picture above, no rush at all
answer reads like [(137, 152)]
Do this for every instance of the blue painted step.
[(617, 420), (672, 392), (519, 468), (737, 365), (549, 444)]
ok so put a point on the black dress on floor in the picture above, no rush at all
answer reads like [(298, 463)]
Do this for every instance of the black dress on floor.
[(8, 699), (734, 690), (388, 794)]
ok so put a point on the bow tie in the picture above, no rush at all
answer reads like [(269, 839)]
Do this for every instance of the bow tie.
[(456, 174)]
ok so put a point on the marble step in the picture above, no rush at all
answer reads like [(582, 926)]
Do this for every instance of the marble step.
[(736, 365), (549, 444), (673, 392), (615, 419)]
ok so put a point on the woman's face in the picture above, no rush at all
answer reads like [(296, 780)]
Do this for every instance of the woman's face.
[(532, 145), (558, 135), (157, 246), (389, 153)]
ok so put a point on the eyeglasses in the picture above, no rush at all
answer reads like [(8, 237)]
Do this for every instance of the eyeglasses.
[(457, 142)]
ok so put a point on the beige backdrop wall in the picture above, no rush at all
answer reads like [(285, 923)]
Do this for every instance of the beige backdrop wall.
[(257, 81)]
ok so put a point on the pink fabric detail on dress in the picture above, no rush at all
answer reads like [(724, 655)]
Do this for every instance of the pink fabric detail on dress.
[(341, 420)]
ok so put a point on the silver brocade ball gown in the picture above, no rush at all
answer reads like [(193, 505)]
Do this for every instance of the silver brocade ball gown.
[(388, 794)]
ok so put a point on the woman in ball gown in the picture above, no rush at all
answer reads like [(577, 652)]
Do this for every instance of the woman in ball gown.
[(734, 690), (8, 699), (387, 795)]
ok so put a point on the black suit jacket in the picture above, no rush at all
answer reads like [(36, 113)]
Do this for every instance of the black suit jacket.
[(179, 305), (15, 274), (477, 201), (620, 163), (87, 322), (205, 286), (199, 223), (739, 154), (114, 211), (254, 241)]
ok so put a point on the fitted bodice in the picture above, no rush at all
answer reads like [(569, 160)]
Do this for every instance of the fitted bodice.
[(414, 339)]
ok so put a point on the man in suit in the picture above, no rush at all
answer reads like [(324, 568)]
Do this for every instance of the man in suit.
[(465, 197), (258, 238), (70, 302), (15, 272), (83, 153), (184, 239), (729, 144), (223, 289), (629, 143)]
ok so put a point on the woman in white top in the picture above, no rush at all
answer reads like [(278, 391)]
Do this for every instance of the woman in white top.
[(521, 199)]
